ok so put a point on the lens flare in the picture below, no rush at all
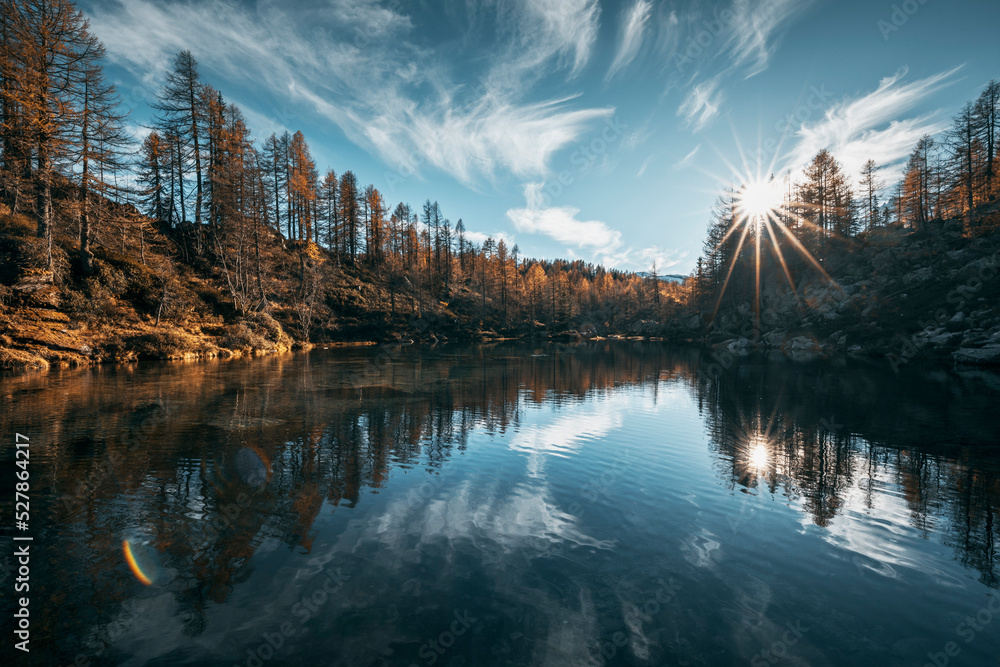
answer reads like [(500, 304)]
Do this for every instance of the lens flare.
[(141, 560), (252, 466), (758, 456)]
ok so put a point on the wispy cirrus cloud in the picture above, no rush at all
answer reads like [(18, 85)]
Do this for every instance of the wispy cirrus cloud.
[(873, 126), (568, 26), (633, 31), (745, 36), (644, 166), (687, 159), (756, 28), (702, 104), (358, 64)]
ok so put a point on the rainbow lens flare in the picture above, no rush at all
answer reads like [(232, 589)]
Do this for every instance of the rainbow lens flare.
[(141, 560)]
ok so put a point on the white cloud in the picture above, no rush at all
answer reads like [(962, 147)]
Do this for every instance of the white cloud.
[(354, 62), (520, 139), (560, 223), (702, 104), (687, 159), (870, 127), (536, 33), (642, 259), (667, 33), (644, 166), (565, 435), (633, 32), (603, 244), (748, 35), (570, 26), (140, 132), (755, 30)]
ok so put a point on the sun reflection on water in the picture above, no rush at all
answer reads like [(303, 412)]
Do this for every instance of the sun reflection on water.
[(758, 456)]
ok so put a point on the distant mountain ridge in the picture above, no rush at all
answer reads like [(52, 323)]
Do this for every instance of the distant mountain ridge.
[(667, 278)]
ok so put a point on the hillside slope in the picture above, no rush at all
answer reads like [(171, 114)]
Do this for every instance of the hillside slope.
[(899, 294)]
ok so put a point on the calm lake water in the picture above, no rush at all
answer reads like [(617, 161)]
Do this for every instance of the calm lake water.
[(608, 503)]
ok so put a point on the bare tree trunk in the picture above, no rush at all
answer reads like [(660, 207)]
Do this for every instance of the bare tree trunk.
[(86, 257), (45, 202)]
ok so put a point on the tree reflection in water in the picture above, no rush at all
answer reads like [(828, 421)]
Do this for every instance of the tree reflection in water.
[(832, 435), (213, 460)]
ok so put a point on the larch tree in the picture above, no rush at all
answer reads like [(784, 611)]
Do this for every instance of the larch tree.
[(376, 211), (827, 196), (427, 219), (276, 159), (963, 145), (181, 110), (917, 183), (719, 245), (154, 167), (215, 131), (329, 198), (99, 150), (349, 214), (871, 185), (301, 186), (398, 221), (460, 240), (986, 118), (15, 170), (47, 49)]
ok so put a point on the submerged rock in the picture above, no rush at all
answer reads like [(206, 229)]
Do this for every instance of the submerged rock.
[(983, 356)]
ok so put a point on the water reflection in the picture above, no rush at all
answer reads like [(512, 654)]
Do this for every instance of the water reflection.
[(554, 504), (914, 448)]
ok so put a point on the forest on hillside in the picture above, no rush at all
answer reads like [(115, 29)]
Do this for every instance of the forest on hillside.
[(826, 208), (882, 268), (194, 221)]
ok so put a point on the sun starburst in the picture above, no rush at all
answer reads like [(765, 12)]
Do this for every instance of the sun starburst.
[(760, 205), (759, 199)]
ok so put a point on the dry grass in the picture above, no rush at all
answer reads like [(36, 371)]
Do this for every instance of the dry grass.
[(21, 360)]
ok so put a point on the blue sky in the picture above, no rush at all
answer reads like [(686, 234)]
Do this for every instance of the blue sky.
[(574, 128)]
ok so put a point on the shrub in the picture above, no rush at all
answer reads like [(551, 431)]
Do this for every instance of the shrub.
[(93, 302), (15, 225), (268, 328), (154, 345), (129, 279), (20, 255), (240, 337)]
